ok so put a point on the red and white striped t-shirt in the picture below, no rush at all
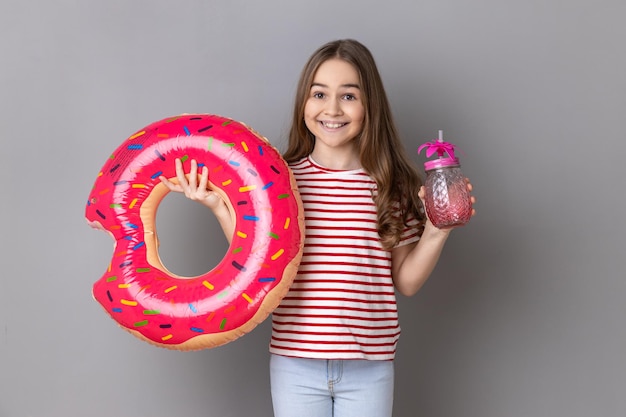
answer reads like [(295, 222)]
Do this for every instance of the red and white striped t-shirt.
[(342, 303)]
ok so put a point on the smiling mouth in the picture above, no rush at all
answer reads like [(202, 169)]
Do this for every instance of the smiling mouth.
[(333, 125)]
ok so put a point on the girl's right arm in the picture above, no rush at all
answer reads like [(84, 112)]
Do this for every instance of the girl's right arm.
[(201, 192)]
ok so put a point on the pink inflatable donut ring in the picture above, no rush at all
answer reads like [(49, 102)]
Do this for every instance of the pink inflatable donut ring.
[(191, 313)]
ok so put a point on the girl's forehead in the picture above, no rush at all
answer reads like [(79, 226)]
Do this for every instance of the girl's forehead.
[(336, 72)]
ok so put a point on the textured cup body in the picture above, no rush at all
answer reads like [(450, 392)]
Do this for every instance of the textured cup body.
[(448, 201)]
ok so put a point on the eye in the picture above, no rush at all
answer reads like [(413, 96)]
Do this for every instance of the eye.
[(317, 95), (349, 97)]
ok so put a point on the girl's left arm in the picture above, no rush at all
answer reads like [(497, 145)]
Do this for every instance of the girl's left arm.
[(412, 264)]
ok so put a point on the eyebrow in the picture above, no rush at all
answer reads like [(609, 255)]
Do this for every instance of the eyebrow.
[(343, 85)]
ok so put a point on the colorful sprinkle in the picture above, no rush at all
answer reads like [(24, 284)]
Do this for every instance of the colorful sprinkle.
[(128, 303), (141, 323), (202, 129), (123, 286), (142, 270), (247, 188), (112, 278), (239, 266), (253, 218), (132, 203), (135, 147), (151, 312), (136, 135), (247, 297), (208, 285), (196, 329), (166, 337), (287, 221), (273, 235), (227, 182), (241, 234), (268, 185), (170, 289), (193, 308), (267, 279), (222, 324), (277, 254), (244, 146)]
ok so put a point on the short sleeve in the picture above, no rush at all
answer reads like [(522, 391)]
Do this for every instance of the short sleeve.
[(411, 233)]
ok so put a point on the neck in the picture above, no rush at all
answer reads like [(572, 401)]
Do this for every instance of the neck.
[(336, 159)]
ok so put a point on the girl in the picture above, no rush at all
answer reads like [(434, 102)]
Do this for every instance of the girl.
[(334, 334)]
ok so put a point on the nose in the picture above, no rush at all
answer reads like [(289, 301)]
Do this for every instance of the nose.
[(333, 107)]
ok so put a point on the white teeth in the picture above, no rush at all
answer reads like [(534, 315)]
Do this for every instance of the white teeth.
[(333, 125)]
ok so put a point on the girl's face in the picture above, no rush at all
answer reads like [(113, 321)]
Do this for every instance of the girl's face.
[(334, 111)]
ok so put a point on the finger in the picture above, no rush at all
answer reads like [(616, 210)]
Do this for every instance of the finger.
[(180, 176), (193, 176), (422, 192), (169, 184), (204, 178)]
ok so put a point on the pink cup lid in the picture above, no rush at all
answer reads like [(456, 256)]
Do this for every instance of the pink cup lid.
[(441, 163)]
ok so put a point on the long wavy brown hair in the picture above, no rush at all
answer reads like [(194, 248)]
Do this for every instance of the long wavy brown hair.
[(381, 152)]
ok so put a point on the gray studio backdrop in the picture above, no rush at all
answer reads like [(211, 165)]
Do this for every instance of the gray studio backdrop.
[(523, 317)]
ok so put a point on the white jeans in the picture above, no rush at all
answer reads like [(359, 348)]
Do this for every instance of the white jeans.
[(331, 388)]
